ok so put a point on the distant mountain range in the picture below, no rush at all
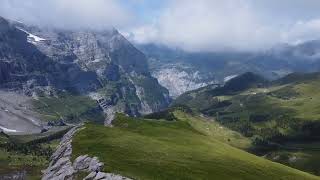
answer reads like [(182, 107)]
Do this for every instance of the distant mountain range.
[(181, 71)]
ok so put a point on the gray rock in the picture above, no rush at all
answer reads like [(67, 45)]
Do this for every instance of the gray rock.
[(100, 175), (82, 163), (86, 163), (109, 176), (95, 165), (91, 176), (60, 167)]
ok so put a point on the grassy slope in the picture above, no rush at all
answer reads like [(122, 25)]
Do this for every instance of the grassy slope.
[(144, 149), (290, 109), (214, 130), (72, 108), (307, 103)]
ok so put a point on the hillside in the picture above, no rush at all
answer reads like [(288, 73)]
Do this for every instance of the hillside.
[(281, 117), (200, 98), (149, 149)]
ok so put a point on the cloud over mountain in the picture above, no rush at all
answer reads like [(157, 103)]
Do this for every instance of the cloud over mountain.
[(207, 25), (202, 25), (94, 14)]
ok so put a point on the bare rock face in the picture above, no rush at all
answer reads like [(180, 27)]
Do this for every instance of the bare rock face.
[(37, 60), (178, 80), (121, 70)]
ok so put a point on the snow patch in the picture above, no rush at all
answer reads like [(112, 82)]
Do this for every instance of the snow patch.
[(228, 78), (32, 38), (8, 130)]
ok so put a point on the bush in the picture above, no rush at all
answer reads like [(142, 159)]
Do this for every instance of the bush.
[(166, 115)]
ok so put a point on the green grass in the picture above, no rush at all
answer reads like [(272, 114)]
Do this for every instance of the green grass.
[(307, 104), (300, 155), (28, 153), (11, 161), (285, 111), (211, 128), (146, 149), (72, 108)]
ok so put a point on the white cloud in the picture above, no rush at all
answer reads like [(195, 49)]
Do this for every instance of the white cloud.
[(67, 13), (194, 25), (210, 25), (303, 31)]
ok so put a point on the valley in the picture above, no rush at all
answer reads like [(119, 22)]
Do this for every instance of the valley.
[(280, 117), (87, 95)]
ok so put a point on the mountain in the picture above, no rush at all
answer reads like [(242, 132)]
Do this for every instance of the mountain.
[(180, 71), (281, 117), (174, 71), (48, 62), (202, 98)]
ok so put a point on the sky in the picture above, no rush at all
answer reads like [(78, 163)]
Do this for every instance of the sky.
[(192, 25)]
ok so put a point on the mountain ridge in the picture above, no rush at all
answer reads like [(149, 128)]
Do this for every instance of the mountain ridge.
[(100, 64)]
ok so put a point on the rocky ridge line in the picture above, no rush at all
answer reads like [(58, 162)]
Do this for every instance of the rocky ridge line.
[(61, 167)]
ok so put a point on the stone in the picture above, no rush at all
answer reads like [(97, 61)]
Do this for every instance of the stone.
[(82, 163), (91, 176), (95, 165), (61, 166), (100, 175)]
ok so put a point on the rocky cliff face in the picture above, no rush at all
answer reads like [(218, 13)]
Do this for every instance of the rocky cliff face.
[(179, 79), (26, 69), (101, 64)]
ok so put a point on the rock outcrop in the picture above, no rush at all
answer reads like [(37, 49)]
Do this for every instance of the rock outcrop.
[(94, 167), (86, 163), (61, 167)]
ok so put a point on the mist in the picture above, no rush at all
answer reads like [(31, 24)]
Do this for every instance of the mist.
[(67, 14)]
